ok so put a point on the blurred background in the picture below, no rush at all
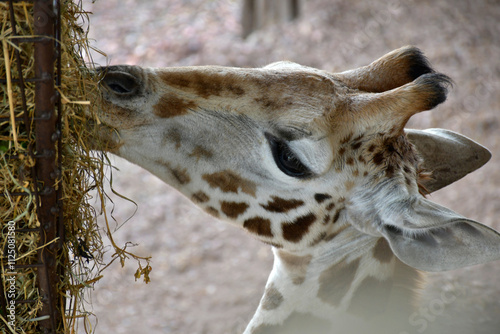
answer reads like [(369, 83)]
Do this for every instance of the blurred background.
[(207, 276)]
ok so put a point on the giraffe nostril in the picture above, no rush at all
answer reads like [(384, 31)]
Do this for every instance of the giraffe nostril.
[(121, 83)]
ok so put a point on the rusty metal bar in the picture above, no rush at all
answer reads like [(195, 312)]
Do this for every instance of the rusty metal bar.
[(26, 301), (46, 164), (21, 39), (28, 230), (46, 172), (61, 232)]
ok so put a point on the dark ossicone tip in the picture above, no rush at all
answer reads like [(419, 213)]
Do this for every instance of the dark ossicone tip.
[(437, 85)]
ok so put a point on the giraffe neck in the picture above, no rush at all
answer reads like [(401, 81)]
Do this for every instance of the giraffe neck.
[(354, 280)]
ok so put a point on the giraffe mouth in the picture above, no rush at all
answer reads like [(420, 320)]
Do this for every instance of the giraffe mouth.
[(103, 137)]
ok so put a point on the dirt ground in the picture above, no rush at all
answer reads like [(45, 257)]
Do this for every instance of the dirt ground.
[(208, 276)]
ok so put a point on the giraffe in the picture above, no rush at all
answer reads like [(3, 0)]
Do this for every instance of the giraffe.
[(318, 165)]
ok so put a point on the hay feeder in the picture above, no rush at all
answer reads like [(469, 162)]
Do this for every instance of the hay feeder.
[(51, 249), (51, 182), (45, 125)]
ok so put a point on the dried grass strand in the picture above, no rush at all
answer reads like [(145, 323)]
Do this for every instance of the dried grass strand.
[(10, 98)]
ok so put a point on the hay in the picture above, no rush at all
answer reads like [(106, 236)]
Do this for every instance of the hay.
[(82, 176)]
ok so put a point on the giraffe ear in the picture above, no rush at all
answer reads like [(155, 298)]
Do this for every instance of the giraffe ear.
[(430, 237), (449, 156)]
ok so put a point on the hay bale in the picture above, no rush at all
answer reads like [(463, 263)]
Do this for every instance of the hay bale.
[(79, 244)]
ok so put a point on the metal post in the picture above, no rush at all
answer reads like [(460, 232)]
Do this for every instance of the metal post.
[(46, 162)]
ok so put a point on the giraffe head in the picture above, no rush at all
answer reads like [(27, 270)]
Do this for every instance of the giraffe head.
[(296, 155)]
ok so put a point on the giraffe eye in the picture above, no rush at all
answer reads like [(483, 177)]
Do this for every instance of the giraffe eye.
[(285, 159)]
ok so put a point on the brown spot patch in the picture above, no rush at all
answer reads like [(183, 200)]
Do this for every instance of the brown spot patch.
[(371, 297), (341, 151), (336, 281), (389, 171), (347, 138), (200, 197), (272, 244), (273, 103), (320, 198), (408, 181), (350, 161), (296, 265), (278, 204), (356, 145), (330, 206), (337, 215), (382, 251), (200, 152), (233, 209), (272, 298), (203, 84), (181, 175), (228, 181), (295, 230), (318, 239), (172, 136), (259, 225), (349, 185), (212, 211), (394, 153), (171, 105)]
